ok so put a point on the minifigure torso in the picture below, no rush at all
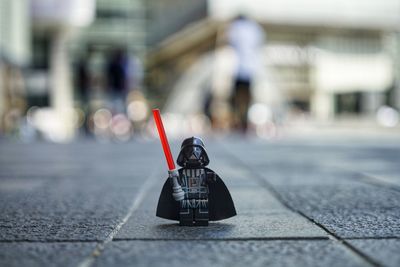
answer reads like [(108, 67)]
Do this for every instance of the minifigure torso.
[(193, 182)]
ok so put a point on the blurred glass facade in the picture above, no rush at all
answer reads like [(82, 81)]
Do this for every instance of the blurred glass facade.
[(71, 68)]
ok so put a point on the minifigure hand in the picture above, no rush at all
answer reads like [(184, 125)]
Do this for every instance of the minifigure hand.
[(173, 174)]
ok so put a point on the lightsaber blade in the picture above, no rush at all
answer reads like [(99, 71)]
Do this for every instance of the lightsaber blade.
[(163, 139), (177, 193)]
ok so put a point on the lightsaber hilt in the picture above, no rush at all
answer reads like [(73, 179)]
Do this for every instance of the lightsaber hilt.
[(177, 192)]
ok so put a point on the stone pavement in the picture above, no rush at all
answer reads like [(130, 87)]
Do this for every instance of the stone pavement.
[(300, 203)]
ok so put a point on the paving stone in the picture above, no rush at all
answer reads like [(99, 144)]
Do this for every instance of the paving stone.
[(348, 211), (87, 191), (383, 251), (145, 225), (308, 175), (246, 199), (81, 191), (255, 200), (235, 176), (44, 254), (227, 253), (20, 185), (67, 210)]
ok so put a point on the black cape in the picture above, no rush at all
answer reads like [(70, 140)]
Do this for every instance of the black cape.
[(220, 204)]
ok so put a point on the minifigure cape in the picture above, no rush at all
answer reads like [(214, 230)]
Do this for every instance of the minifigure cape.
[(220, 204)]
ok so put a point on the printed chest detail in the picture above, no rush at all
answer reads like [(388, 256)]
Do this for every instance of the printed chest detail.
[(194, 183)]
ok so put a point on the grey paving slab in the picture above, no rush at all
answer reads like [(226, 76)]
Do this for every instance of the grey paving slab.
[(284, 224), (67, 210), (255, 200), (348, 211), (287, 174), (246, 199), (87, 191), (303, 168), (349, 154), (260, 215), (258, 155), (44, 254), (81, 191), (227, 253), (234, 175), (383, 251)]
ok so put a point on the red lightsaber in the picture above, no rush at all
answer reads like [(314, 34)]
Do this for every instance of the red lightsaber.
[(164, 140), (178, 193)]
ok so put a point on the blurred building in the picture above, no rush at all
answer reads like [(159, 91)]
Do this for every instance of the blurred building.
[(14, 58), (50, 87), (47, 39), (324, 57), (167, 19), (117, 23)]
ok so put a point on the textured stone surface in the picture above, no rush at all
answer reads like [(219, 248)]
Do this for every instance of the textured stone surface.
[(63, 211), (255, 200), (383, 251), (326, 183), (246, 225), (349, 211), (75, 192), (234, 175), (227, 253), (44, 254), (80, 192)]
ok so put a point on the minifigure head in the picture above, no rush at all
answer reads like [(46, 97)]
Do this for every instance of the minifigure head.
[(193, 154)]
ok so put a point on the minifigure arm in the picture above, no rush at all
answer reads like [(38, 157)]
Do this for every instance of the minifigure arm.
[(178, 193)]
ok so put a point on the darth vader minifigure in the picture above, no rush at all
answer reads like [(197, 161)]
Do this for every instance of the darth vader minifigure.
[(206, 198)]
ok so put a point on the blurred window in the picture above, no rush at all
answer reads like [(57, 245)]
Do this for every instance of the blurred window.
[(302, 105), (38, 100), (348, 103), (112, 14), (41, 51)]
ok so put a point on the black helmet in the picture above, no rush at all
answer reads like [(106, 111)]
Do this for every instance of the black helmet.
[(193, 153)]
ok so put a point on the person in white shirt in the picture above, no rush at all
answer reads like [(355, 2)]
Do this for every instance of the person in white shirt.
[(246, 38)]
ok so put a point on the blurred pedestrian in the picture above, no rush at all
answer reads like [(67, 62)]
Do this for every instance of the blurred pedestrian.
[(246, 38), (83, 89), (83, 81), (118, 80)]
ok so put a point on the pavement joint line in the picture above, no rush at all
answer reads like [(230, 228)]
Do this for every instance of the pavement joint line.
[(372, 237), (89, 261), (50, 241), (377, 181), (278, 196), (371, 179), (340, 240), (227, 239)]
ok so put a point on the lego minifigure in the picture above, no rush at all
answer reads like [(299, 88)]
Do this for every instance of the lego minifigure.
[(205, 194), (194, 194)]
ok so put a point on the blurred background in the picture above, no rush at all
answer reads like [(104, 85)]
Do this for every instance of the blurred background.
[(266, 68)]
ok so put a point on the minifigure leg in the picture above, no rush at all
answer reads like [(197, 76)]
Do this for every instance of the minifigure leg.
[(201, 215), (186, 217)]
